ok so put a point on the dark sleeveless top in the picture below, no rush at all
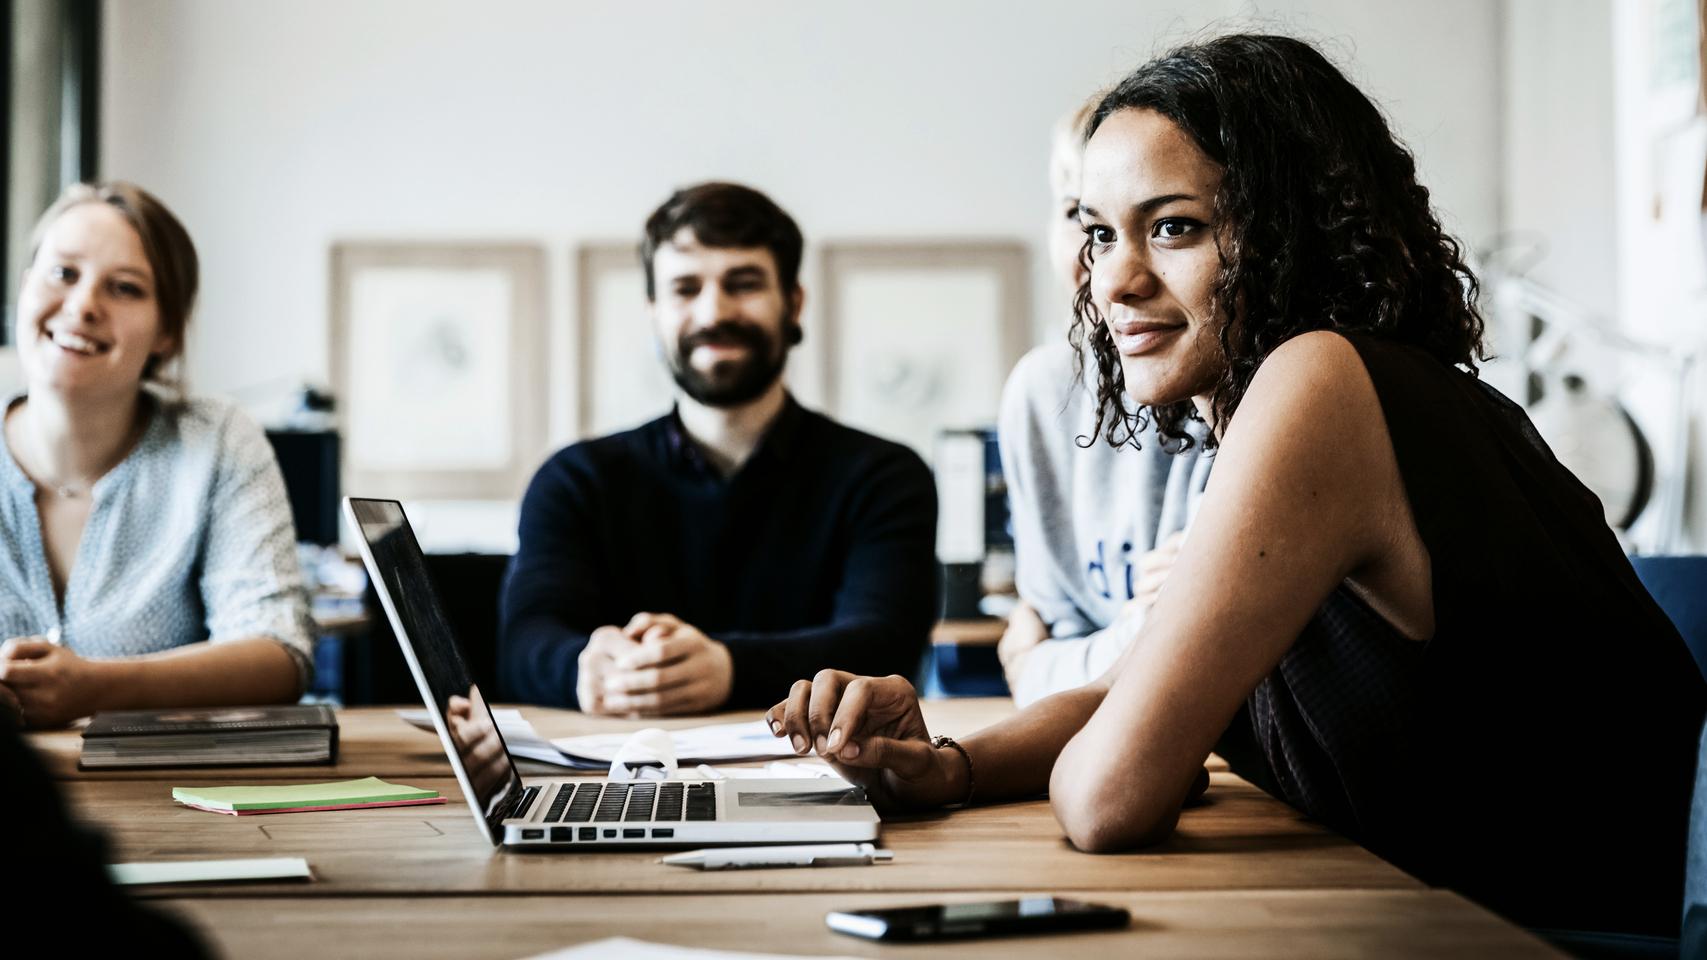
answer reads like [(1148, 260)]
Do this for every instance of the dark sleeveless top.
[(1537, 754)]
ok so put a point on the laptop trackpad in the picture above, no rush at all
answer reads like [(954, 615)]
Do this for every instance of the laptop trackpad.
[(798, 800), (849, 796)]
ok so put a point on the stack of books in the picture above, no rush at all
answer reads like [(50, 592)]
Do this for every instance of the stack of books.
[(221, 736)]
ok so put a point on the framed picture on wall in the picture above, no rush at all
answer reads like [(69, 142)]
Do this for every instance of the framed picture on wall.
[(438, 355), (921, 335), (624, 382)]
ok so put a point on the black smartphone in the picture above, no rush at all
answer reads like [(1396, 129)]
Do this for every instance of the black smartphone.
[(999, 918)]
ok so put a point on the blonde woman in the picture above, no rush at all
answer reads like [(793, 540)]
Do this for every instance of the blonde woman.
[(147, 556), (1095, 526)]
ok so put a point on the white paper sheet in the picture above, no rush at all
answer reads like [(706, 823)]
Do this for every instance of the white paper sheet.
[(714, 743), (775, 770), (203, 871), (624, 948), (519, 735)]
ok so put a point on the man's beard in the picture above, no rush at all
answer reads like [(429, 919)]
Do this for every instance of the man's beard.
[(733, 382)]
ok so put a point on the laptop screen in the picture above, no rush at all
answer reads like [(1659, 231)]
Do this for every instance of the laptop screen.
[(476, 749)]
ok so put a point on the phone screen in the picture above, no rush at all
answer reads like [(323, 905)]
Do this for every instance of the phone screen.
[(994, 918)]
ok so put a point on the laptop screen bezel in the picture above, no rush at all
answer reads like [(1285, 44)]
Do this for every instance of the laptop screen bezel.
[(493, 822)]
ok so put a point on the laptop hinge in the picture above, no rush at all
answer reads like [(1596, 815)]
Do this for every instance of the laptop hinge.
[(521, 804)]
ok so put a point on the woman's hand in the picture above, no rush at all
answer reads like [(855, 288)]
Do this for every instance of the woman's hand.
[(1153, 569), (1024, 632), (52, 685), (871, 731)]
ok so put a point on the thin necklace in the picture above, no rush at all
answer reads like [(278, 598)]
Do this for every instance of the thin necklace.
[(84, 486), (67, 490)]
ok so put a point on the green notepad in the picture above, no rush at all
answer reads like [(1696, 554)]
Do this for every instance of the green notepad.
[(298, 797)]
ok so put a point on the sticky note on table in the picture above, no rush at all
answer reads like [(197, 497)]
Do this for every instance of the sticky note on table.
[(204, 871), (303, 797)]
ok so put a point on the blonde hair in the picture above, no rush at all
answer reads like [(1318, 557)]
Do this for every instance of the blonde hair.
[(1068, 142), (167, 245)]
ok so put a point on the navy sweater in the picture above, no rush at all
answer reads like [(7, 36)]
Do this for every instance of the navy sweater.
[(819, 552)]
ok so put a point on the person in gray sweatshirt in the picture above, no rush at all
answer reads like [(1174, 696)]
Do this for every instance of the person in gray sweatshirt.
[(1095, 526)]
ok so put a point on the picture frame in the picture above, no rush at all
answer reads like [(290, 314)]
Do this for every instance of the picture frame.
[(438, 365), (921, 335), (623, 382)]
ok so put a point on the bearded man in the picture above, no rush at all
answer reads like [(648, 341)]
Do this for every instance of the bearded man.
[(711, 557)]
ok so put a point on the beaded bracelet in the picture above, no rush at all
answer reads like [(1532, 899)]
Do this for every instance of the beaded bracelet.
[(971, 782)]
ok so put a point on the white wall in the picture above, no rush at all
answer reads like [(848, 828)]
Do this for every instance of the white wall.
[(1559, 160), (1661, 136), (277, 128), (10, 379), (1588, 135)]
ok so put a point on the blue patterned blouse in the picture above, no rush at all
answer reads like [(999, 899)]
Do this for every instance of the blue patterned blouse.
[(189, 538)]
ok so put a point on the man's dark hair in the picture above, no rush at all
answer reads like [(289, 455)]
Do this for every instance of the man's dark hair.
[(726, 215), (1320, 221)]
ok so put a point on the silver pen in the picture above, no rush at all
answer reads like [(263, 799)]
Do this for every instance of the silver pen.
[(798, 855)]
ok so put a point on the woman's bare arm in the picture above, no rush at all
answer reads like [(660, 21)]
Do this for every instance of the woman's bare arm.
[(1304, 496), (55, 686)]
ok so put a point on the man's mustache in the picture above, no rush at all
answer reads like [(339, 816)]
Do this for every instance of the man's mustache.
[(725, 335)]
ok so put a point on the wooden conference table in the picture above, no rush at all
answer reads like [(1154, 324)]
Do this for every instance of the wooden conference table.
[(1244, 875)]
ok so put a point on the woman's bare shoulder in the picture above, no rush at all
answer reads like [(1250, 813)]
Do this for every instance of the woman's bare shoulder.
[(1312, 391)]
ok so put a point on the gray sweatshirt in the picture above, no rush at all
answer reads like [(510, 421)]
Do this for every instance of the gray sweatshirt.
[(1082, 517)]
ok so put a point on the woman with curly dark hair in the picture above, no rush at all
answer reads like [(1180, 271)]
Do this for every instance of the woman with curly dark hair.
[(1442, 650)]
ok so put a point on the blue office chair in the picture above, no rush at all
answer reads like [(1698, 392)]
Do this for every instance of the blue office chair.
[(1679, 585)]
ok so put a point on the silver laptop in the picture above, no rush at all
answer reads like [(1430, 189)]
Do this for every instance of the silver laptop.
[(585, 813)]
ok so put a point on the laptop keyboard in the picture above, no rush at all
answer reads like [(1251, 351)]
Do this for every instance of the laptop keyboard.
[(604, 801)]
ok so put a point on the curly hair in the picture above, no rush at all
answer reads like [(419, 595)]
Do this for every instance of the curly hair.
[(1320, 222)]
